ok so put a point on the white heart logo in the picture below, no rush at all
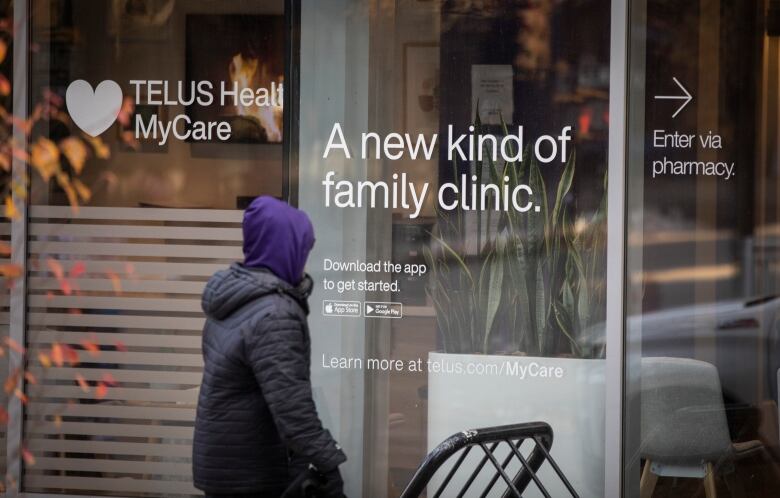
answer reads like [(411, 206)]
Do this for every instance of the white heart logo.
[(93, 111)]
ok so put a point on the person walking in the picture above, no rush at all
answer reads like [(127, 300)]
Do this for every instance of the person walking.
[(256, 427)]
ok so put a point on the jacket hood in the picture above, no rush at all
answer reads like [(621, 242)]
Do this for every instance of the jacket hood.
[(277, 236), (228, 290)]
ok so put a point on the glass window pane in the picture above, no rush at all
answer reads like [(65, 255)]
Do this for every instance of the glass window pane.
[(701, 332), (452, 156), (181, 68), (152, 124), (506, 325)]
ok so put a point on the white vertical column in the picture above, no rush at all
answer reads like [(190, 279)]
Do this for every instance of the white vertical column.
[(618, 85)]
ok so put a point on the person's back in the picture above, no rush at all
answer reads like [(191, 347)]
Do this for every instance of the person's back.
[(256, 426)]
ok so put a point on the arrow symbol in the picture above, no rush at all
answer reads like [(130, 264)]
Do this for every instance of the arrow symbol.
[(687, 97), (369, 308)]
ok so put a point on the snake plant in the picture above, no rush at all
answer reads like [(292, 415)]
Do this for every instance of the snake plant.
[(534, 285)]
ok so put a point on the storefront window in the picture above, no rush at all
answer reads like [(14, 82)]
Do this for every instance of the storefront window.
[(701, 341), (455, 292), (452, 156), (152, 124)]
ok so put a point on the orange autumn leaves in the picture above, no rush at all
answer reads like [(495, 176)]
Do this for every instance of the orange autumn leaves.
[(61, 160), (58, 355), (101, 387), (5, 85), (46, 158), (8, 271), (65, 280), (62, 355), (67, 354)]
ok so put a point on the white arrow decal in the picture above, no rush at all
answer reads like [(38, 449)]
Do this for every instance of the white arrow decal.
[(687, 97)]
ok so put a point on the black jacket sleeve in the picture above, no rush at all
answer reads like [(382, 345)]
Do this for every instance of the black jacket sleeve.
[(278, 353)]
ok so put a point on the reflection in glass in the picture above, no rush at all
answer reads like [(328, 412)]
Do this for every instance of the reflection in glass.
[(701, 243), (503, 288)]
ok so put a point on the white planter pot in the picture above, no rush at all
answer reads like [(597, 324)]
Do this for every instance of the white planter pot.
[(570, 398)]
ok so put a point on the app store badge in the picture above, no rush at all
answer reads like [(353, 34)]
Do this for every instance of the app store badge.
[(340, 308), (383, 310)]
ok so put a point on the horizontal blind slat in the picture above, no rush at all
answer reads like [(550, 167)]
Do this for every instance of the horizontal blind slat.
[(112, 338), (112, 411), (120, 375), (140, 214), (187, 396), (113, 466), (179, 305), (114, 430), (138, 269), (116, 321), (136, 232), (134, 358), (109, 447), (126, 284), (135, 250), (111, 484)]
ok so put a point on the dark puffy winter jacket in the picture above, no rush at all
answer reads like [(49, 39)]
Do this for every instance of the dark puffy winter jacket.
[(256, 425)]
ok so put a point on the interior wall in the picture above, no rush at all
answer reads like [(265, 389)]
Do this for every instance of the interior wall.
[(187, 175)]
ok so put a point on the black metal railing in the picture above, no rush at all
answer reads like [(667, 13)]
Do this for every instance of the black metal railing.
[(488, 441)]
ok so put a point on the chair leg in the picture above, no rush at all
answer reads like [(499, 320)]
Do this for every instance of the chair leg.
[(709, 482), (647, 482)]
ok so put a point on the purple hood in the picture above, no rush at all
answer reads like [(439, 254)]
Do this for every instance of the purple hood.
[(277, 237)]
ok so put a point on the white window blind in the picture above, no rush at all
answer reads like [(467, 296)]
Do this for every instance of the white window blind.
[(118, 290)]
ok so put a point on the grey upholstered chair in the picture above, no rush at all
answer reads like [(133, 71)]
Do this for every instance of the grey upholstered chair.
[(683, 424)]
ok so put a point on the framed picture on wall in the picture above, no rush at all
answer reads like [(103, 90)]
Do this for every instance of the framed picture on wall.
[(249, 54), (421, 87)]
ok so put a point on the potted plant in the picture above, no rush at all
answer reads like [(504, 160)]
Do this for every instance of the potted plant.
[(520, 306)]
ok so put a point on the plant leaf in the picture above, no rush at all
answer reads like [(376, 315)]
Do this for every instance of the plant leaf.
[(565, 327), (540, 311), (564, 185), (494, 291), (457, 257), (537, 221)]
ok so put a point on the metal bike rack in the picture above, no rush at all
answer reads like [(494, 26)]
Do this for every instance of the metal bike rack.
[(488, 440)]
